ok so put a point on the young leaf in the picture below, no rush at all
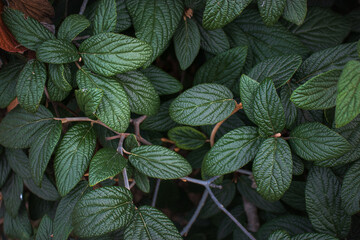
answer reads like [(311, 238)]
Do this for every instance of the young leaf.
[(223, 69), (29, 32), (316, 142), (72, 26), (271, 10), (186, 42), (268, 110), (272, 168), (233, 151), (57, 52), (9, 73), (89, 100), (121, 53), (159, 162), (348, 94), (30, 85), (317, 93), (187, 137), (203, 104), (350, 190), (219, 13), (12, 194), (150, 223), (295, 11), (142, 96), (60, 75), (105, 17), (73, 156), (155, 21), (323, 203), (45, 230), (248, 88), (114, 203), (106, 163)]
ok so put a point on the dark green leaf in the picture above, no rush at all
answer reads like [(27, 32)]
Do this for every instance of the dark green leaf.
[(89, 100), (227, 226), (18, 162), (142, 181), (56, 93), (45, 230), (72, 26), (130, 142), (57, 51), (279, 235), (4, 169), (295, 195), (18, 227), (271, 10), (298, 165), (313, 236), (8, 77), (60, 75), (105, 17), (248, 88), (123, 18), (159, 162), (12, 194), (295, 11), (187, 137), (47, 191), (289, 107), (350, 190)]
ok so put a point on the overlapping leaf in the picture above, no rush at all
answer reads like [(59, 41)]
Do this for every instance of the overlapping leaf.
[(8, 76), (187, 137), (57, 51), (271, 10), (350, 190), (72, 26)]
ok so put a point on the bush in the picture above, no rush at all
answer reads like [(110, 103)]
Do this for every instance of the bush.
[(211, 119)]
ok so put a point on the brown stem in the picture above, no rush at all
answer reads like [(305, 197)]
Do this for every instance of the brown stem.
[(136, 122), (238, 106), (85, 119), (167, 140)]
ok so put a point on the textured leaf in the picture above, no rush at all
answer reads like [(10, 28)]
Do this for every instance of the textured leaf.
[(18, 162), (142, 96), (142, 181), (12, 194), (113, 110), (272, 168), (4, 169), (321, 29), (295, 11), (203, 104), (45, 229), (186, 42), (248, 88), (163, 83), (150, 223), (113, 203), (219, 13), (316, 142), (56, 93), (106, 163), (279, 235), (72, 26), (271, 10), (47, 191), (223, 69), (295, 195), (313, 236), (233, 151), (30, 85), (279, 69), (18, 227), (73, 156), (27, 31), (8, 76), (42, 148), (21, 126), (155, 21), (110, 53), (290, 109), (105, 17), (298, 165), (323, 203), (123, 18), (60, 75), (161, 121), (268, 111), (159, 162), (350, 190), (89, 100), (348, 94), (317, 93), (187, 137), (57, 51)]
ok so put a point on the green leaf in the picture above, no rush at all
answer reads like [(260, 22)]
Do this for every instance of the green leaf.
[(142, 181), (47, 191), (323, 203), (295, 195), (313, 236), (271, 10), (73, 156), (155, 22), (57, 52), (89, 100), (30, 85), (227, 226), (18, 162), (130, 142), (317, 93), (27, 31), (321, 29), (348, 94), (316, 142), (248, 88), (186, 42), (113, 203), (12, 194), (60, 75), (203, 104), (105, 17), (56, 93), (272, 168), (45, 230), (298, 165), (42, 148), (350, 190), (290, 109), (22, 126), (279, 69), (63, 220), (123, 18), (279, 235), (219, 13), (150, 223), (223, 69), (120, 53), (233, 151), (187, 137), (159, 162), (72, 26), (163, 82), (9, 74), (142, 96), (18, 227), (113, 110), (4, 169), (295, 11), (106, 163), (268, 111)]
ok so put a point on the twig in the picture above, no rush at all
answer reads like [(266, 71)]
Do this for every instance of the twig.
[(126, 180), (81, 37), (252, 215), (132, 184), (155, 192), (124, 172), (186, 229), (243, 171), (238, 106), (208, 182), (83, 7), (136, 122)]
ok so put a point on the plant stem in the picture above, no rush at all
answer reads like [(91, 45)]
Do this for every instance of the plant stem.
[(252, 215), (202, 182), (132, 184), (157, 186), (136, 122), (243, 171), (126, 180), (83, 7)]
